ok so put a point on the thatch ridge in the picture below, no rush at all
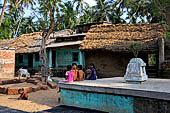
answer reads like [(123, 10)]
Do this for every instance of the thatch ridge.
[(118, 37), (31, 42)]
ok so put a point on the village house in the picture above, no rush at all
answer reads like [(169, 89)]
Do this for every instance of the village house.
[(62, 49), (27, 49), (108, 47)]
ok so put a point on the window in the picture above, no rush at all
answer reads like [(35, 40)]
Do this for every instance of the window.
[(151, 59), (75, 56), (21, 58), (37, 57)]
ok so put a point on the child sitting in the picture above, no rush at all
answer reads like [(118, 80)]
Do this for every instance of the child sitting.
[(23, 95), (81, 74), (88, 73), (75, 71)]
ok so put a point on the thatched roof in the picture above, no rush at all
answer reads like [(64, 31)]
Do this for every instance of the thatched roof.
[(118, 37), (29, 43)]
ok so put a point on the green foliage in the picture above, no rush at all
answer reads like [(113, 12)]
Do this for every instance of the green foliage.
[(140, 11), (70, 13), (67, 18), (135, 48), (163, 9), (168, 33)]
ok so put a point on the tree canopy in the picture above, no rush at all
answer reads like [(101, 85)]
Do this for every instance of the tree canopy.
[(67, 14)]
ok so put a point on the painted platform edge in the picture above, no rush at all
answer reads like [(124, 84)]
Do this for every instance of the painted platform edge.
[(117, 91), (97, 101), (113, 103)]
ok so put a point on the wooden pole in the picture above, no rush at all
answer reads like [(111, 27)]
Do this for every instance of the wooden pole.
[(161, 54)]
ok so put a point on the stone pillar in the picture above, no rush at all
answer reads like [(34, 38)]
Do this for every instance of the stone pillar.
[(50, 58), (161, 52)]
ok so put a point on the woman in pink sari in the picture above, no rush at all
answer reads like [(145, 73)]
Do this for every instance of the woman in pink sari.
[(69, 74)]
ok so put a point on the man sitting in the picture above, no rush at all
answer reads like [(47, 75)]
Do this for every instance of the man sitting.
[(23, 95)]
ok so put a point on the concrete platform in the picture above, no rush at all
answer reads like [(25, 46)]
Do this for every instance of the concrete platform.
[(117, 96), (153, 88)]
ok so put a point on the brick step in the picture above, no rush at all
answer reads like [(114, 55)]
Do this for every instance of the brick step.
[(152, 75), (37, 73), (152, 71)]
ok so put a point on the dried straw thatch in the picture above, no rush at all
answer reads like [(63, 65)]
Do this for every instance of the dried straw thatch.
[(118, 37), (29, 43)]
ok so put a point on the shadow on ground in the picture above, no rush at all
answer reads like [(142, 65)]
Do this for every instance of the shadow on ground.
[(10, 110), (58, 109)]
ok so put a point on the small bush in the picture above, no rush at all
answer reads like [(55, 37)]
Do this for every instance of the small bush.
[(135, 48)]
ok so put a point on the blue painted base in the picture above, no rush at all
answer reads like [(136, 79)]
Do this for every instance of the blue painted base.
[(97, 101), (113, 103)]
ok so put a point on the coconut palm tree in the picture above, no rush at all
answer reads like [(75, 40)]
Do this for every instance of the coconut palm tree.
[(16, 3), (88, 15), (3, 10), (68, 16), (143, 10), (103, 10), (80, 5)]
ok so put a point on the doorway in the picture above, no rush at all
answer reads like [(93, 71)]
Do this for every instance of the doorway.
[(30, 60), (53, 58)]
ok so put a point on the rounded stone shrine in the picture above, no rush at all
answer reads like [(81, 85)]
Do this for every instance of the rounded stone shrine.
[(135, 71)]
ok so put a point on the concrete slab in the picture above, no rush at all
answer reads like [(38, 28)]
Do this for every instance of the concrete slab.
[(153, 88)]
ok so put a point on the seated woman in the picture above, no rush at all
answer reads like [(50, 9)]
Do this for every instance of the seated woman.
[(69, 75), (23, 95), (93, 72)]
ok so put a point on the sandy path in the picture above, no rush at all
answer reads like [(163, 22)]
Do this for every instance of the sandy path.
[(38, 101)]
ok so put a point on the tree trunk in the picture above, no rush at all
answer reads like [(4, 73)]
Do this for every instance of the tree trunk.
[(168, 20), (16, 32), (43, 54), (3, 10)]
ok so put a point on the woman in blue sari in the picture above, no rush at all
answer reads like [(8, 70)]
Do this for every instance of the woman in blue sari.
[(93, 72)]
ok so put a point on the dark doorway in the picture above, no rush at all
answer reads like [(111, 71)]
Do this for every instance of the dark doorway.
[(53, 58), (30, 60)]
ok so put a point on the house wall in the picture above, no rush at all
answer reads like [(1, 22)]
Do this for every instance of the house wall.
[(64, 57), (166, 65), (167, 49), (25, 60), (109, 64), (36, 63), (7, 63)]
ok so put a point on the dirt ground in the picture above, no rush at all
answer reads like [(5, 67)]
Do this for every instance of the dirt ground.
[(43, 101), (38, 101)]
